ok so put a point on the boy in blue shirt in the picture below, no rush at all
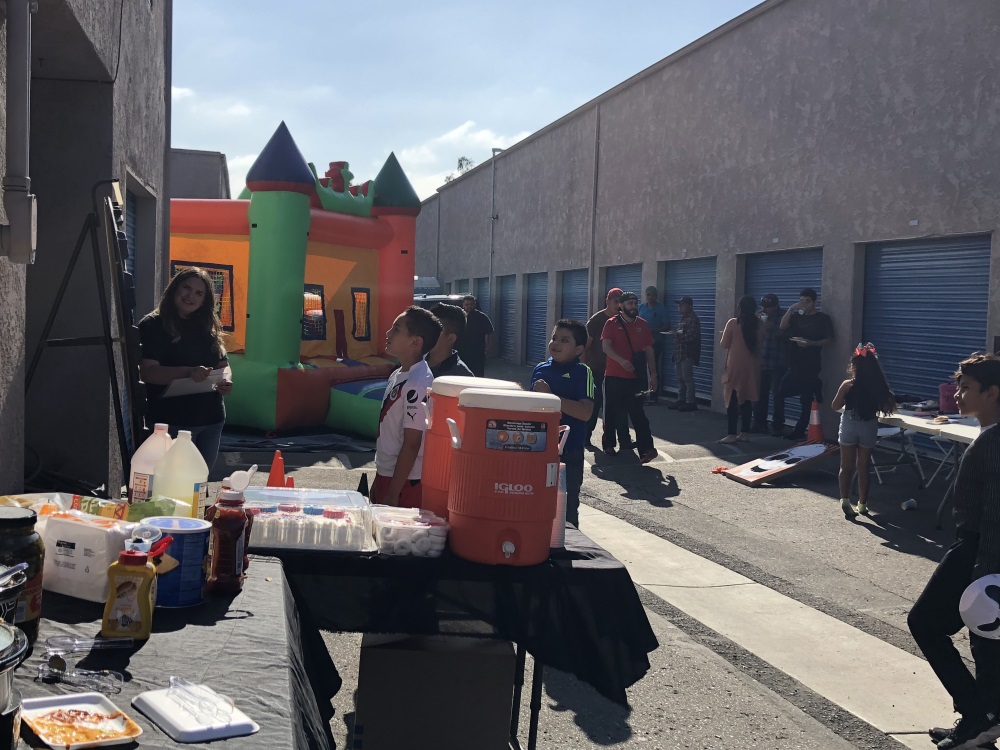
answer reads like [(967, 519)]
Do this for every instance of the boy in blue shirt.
[(565, 376)]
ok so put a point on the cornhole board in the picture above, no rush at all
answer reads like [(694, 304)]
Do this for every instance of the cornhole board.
[(768, 468)]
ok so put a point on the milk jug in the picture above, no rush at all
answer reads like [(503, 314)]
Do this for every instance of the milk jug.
[(155, 447), (183, 474)]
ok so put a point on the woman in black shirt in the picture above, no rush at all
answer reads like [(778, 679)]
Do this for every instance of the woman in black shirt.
[(182, 338)]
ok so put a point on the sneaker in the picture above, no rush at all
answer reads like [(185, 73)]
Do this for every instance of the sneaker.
[(729, 439), (648, 456), (863, 509), (609, 450), (687, 407), (972, 732), (849, 512)]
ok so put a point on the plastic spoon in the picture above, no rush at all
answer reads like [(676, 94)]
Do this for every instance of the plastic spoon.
[(240, 480)]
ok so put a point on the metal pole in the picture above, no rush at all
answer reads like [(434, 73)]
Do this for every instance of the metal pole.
[(493, 219)]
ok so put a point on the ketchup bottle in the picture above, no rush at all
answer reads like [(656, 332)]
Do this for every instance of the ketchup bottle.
[(230, 530)]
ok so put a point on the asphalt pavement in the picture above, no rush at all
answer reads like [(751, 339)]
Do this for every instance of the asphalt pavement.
[(781, 624)]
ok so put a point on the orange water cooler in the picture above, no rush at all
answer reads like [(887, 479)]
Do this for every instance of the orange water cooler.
[(442, 404), (504, 476)]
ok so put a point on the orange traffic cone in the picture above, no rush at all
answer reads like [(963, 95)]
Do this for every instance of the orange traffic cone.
[(815, 434), (290, 483), (276, 478)]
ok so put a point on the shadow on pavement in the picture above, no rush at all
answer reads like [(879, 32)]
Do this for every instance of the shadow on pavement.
[(645, 483), (604, 722)]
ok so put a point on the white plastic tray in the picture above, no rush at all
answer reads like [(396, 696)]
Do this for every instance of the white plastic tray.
[(34, 708), (182, 726)]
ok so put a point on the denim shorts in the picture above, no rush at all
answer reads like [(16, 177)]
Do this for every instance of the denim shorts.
[(854, 431)]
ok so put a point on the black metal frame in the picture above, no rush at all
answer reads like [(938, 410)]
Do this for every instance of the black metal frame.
[(123, 300)]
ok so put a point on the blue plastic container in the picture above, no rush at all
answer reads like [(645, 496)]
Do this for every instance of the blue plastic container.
[(184, 586)]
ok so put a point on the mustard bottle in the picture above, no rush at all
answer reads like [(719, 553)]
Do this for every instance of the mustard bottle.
[(129, 608)]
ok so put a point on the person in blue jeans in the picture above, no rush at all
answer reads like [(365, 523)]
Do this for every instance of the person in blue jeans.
[(565, 376), (658, 318)]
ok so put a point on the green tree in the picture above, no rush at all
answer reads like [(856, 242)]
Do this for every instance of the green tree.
[(464, 165)]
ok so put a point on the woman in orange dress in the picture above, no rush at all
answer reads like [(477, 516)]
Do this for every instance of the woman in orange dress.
[(740, 382)]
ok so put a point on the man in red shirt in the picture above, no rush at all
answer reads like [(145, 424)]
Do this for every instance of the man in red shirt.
[(630, 372)]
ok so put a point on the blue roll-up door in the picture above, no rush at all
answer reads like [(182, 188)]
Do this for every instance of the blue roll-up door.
[(482, 294), (696, 279), (461, 286), (131, 226), (508, 317), (575, 292), (785, 273), (925, 309), (627, 278), (536, 331)]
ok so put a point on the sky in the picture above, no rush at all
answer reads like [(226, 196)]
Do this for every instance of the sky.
[(431, 82)]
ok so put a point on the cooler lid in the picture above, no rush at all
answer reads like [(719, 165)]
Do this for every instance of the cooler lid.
[(453, 385), (175, 525), (494, 398)]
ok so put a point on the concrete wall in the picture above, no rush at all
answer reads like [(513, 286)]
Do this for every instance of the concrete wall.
[(427, 237), (112, 125), (198, 174), (12, 296), (803, 123)]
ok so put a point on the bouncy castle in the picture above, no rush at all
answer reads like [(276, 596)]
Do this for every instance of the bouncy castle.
[(309, 272)]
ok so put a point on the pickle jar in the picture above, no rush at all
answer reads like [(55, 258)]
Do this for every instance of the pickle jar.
[(19, 542)]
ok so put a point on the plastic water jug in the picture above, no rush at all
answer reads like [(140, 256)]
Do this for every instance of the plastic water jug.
[(442, 405), (183, 474), (503, 493), (144, 460)]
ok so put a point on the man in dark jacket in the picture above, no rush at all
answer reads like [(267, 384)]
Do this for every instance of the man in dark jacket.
[(474, 344), (443, 359)]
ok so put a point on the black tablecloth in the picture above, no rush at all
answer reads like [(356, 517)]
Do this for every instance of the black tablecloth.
[(254, 648), (578, 611)]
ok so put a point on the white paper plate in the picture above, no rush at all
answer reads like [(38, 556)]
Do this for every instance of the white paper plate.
[(181, 726), (34, 709)]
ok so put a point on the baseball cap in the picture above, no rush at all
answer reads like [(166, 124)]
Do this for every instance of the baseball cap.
[(685, 301), (615, 293), (626, 296), (769, 300), (651, 290)]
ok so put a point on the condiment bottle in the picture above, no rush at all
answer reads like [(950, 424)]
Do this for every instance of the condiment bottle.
[(230, 531), (129, 608), (19, 542)]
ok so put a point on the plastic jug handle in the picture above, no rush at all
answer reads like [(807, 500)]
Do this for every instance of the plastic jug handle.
[(427, 414), (563, 434), (456, 439)]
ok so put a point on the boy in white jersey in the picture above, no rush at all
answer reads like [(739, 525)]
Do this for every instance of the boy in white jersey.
[(399, 449)]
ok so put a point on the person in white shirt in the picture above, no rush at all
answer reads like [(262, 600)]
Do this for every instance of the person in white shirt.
[(399, 449)]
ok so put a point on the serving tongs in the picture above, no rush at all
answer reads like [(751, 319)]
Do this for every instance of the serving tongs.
[(69, 644), (105, 681), (206, 705)]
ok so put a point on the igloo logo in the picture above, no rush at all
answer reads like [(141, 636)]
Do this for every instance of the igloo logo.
[(507, 488)]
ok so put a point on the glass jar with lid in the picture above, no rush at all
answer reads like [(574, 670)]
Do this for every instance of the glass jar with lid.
[(19, 542)]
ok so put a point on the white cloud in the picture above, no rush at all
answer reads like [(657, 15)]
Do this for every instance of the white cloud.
[(238, 166), (179, 92), (427, 164)]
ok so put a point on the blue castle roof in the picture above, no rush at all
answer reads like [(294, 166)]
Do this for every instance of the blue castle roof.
[(281, 166)]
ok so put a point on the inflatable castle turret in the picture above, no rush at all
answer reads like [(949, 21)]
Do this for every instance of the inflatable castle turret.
[(309, 273)]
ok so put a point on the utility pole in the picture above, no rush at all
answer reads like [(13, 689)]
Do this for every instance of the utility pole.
[(493, 218)]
